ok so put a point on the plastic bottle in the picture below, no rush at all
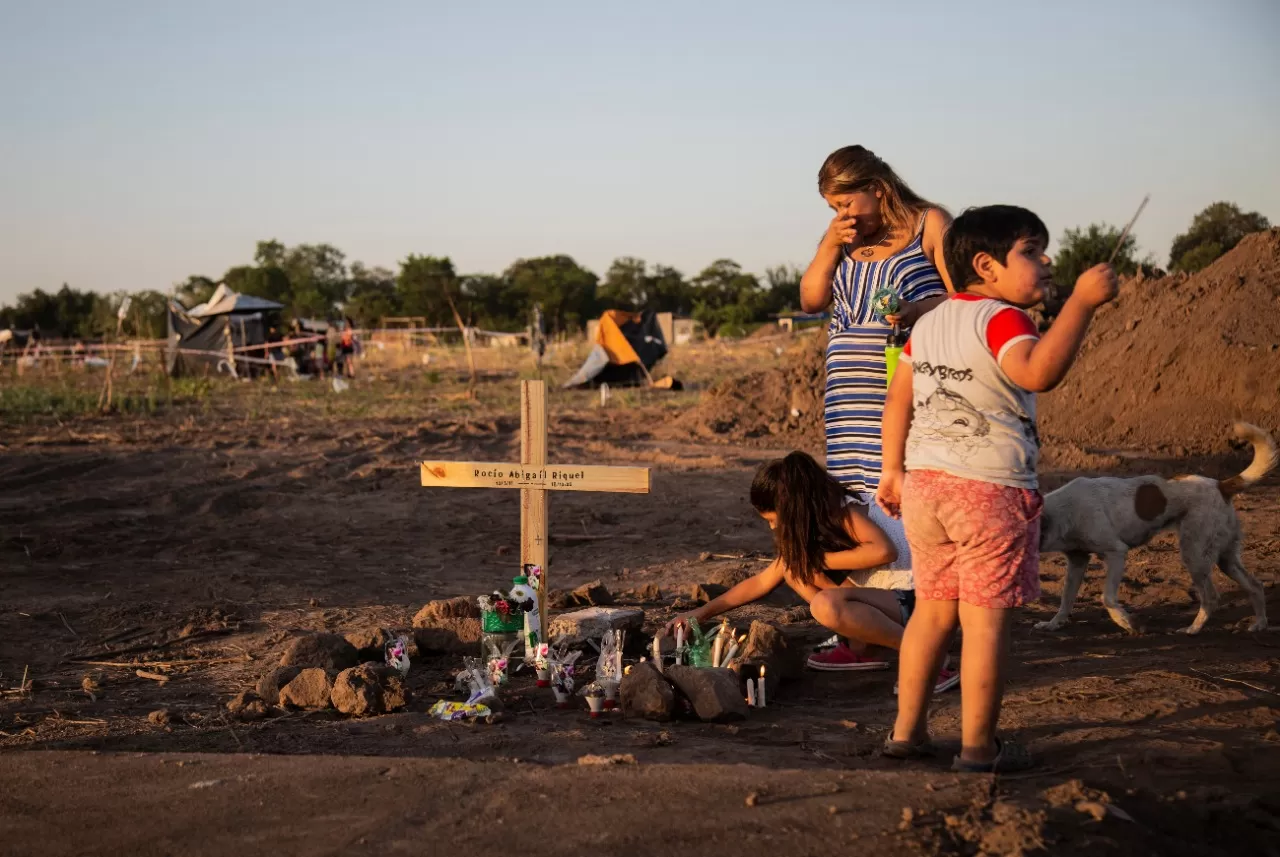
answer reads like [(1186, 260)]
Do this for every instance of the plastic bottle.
[(524, 597)]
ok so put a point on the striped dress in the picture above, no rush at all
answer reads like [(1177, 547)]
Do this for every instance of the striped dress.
[(856, 370)]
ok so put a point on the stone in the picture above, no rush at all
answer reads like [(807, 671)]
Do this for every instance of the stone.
[(644, 692), (309, 690), (590, 624), (715, 693), (450, 608), (448, 636), (370, 643), (647, 594), (357, 691), (273, 680), (593, 594), (728, 577), (558, 599), (247, 705), (160, 717), (701, 593), (395, 695), (326, 651), (770, 647)]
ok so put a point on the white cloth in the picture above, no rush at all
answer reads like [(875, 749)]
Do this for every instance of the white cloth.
[(894, 575)]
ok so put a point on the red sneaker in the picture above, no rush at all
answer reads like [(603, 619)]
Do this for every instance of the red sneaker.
[(843, 658), (947, 679)]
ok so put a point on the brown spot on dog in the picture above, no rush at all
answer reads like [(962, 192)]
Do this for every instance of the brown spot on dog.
[(1149, 502)]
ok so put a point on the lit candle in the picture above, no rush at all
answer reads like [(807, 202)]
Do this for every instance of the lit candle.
[(751, 693), (717, 649), (760, 691), (679, 642)]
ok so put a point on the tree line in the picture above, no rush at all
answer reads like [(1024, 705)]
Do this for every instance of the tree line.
[(315, 281)]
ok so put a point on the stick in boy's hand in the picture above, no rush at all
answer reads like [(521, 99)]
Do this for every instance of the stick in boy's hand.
[(1125, 232), (1096, 286)]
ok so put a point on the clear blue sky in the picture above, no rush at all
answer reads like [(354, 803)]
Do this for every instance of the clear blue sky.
[(147, 140)]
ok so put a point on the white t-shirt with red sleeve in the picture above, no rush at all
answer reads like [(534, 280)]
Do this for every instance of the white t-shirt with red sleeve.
[(970, 420)]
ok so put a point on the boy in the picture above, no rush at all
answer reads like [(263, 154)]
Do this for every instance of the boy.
[(960, 451)]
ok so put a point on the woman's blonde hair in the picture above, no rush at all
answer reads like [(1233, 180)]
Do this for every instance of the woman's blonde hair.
[(856, 168)]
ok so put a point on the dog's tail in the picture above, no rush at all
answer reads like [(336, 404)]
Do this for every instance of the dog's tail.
[(1265, 458)]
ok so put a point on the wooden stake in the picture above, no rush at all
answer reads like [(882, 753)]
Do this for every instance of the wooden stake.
[(466, 344), (533, 501)]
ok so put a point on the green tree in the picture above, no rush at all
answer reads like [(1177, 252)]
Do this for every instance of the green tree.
[(1213, 232), (1081, 249), (782, 289), (372, 295), (422, 286), (317, 276), (565, 289), (725, 296), (625, 285), (669, 291), (491, 302), (270, 283)]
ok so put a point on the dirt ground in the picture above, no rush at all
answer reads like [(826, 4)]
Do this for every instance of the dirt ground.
[(196, 544)]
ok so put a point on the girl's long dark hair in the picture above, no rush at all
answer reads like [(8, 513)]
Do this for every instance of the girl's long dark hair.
[(809, 504)]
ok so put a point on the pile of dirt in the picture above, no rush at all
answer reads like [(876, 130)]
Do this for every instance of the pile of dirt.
[(782, 403), (1173, 361), (1166, 367)]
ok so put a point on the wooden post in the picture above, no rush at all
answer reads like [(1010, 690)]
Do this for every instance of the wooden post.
[(533, 501)]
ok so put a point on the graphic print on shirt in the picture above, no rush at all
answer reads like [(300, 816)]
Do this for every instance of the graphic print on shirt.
[(949, 417)]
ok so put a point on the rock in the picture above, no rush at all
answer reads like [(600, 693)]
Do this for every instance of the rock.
[(448, 636), (270, 684), (160, 717), (644, 692), (357, 691), (593, 594), (370, 642), (326, 651), (450, 608), (394, 693), (701, 593), (310, 689), (370, 688), (647, 594), (728, 577), (715, 693), (590, 624), (247, 705), (768, 646), (558, 599)]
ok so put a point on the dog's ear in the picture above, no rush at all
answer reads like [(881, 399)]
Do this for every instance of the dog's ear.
[(1149, 502)]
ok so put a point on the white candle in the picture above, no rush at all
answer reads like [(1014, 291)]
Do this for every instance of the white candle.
[(717, 648), (728, 658), (657, 651), (751, 693), (760, 691)]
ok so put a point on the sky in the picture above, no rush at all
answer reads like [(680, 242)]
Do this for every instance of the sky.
[(148, 140)]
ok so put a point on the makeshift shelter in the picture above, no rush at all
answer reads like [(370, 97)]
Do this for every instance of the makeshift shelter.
[(208, 334), (627, 345)]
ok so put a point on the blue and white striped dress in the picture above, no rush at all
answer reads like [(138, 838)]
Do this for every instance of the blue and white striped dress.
[(856, 370)]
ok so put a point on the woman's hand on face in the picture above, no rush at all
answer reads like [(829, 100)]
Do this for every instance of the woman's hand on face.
[(843, 229)]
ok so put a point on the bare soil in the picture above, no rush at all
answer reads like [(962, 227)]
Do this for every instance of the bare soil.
[(196, 545)]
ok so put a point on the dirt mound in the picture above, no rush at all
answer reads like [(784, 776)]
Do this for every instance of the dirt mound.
[(784, 403), (1174, 361)]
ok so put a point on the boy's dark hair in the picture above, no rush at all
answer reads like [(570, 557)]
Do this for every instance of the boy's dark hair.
[(990, 229), (809, 503)]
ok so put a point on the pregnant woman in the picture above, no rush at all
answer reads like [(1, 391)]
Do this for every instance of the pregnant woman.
[(883, 234)]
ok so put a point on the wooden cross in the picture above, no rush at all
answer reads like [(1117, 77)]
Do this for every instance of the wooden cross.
[(535, 478)]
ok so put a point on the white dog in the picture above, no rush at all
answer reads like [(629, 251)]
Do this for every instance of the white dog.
[(1110, 516)]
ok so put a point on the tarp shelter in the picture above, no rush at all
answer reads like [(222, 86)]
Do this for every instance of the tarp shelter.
[(626, 346), (201, 337)]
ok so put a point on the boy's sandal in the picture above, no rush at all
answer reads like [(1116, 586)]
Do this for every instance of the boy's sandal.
[(907, 750), (1010, 757)]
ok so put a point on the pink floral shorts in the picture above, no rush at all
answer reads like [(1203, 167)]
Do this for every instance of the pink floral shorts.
[(971, 541)]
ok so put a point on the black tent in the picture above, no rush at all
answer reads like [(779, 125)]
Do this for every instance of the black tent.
[(200, 337), (627, 346)]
